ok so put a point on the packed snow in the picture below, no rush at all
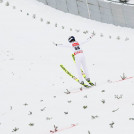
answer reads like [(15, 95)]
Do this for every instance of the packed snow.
[(33, 87)]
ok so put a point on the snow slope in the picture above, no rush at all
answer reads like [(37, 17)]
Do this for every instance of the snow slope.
[(32, 84)]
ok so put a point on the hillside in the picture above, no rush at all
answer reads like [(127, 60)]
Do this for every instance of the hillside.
[(33, 86)]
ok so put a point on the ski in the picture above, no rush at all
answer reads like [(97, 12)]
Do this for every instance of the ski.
[(83, 74), (76, 79)]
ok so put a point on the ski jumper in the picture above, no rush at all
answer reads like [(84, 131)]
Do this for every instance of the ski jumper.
[(80, 60), (79, 57)]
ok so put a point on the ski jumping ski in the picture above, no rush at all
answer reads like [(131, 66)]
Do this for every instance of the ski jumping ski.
[(76, 79)]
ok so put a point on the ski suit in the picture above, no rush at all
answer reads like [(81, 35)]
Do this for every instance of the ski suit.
[(79, 57)]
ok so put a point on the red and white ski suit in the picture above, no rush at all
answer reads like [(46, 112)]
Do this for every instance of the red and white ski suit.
[(79, 57)]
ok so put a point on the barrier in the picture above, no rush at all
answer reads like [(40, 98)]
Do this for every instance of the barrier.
[(51, 3), (72, 7), (119, 14), (82, 9), (61, 5), (43, 1)]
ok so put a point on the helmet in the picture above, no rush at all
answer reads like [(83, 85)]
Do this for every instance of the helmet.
[(71, 38)]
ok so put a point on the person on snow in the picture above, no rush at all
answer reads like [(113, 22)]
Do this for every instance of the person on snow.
[(79, 56)]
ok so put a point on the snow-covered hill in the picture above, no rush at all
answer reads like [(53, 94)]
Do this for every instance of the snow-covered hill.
[(33, 86)]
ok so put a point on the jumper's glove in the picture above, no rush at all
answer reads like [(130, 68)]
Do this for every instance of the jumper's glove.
[(55, 43)]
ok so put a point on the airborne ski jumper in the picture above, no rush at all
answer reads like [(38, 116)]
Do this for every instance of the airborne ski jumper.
[(79, 56)]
